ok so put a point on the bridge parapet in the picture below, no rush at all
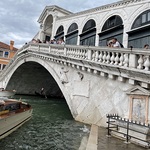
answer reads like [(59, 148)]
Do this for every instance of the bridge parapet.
[(138, 58), (122, 64)]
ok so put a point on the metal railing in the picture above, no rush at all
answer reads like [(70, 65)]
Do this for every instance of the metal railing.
[(129, 130)]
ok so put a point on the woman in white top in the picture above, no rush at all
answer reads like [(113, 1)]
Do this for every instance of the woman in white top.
[(115, 43)]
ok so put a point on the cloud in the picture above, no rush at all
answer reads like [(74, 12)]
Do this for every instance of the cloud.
[(19, 17)]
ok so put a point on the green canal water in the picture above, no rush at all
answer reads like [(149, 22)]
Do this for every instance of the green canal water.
[(51, 127)]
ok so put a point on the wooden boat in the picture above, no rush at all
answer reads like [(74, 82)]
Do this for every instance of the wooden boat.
[(6, 93), (13, 114)]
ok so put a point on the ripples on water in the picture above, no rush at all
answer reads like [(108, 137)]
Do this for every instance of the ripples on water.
[(51, 128)]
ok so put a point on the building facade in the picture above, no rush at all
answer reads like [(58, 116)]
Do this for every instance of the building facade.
[(6, 53), (127, 20)]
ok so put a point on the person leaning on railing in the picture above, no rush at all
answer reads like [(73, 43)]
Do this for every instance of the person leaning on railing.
[(116, 43), (146, 46)]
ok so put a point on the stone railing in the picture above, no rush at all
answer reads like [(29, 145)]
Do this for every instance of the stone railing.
[(135, 58), (121, 63)]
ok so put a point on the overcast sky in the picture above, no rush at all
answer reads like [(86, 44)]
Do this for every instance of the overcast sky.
[(18, 18)]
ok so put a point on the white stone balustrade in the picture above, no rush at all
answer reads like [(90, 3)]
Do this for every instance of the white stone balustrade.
[(121, 64), (135, 58)]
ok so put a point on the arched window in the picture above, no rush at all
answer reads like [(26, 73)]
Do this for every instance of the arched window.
[(60, 33), (140, 33), (48, 27), (89, 25), (88, 33), (72, 28), (113, 27), (142, 19), (112, 22), (72, 34)]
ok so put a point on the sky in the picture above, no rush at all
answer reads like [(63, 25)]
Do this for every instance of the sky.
[(18, 18)]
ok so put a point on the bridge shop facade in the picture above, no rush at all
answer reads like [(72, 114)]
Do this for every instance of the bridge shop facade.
[(127, 20)]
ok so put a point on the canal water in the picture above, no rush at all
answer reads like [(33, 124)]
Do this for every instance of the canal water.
[(51, 128)]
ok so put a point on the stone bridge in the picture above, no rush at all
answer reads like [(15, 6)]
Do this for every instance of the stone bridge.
[(95, 81)]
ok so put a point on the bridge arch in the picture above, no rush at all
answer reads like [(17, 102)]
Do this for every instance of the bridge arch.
[(46, 67)]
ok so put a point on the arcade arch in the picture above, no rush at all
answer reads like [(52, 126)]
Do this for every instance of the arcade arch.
[(139, 34), (72, 34), (88, 35), (113, 27), (60, 33), (47, 28)]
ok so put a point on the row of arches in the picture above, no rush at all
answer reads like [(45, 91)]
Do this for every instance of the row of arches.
[(86, 38), (113, 27)]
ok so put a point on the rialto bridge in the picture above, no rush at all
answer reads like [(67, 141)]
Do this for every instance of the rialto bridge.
[(95, 81)]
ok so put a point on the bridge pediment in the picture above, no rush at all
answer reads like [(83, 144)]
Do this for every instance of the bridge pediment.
[(51, 9)]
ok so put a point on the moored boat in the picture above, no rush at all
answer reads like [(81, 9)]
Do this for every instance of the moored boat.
[(6, 93), (13, 114)]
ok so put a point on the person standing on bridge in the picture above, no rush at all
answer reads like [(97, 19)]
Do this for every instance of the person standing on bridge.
[(116, 43), (146, 46)]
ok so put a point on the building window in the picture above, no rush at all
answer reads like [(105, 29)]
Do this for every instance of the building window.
[(60, 33), (72, 28), (89, 25), (140, 33), (142, 19), (60, 29), (148, 15), (112, 22), (3, 66), (88, 33), (72, 34), (112, 28), (1, 53), (6, 54)]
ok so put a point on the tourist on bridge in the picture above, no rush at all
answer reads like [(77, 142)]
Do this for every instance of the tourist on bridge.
[(116, 43), (146, 46)]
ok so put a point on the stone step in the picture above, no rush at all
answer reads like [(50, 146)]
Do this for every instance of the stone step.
[(93, 138)]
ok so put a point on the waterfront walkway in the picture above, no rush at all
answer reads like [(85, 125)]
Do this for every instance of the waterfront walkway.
[(99, 141)]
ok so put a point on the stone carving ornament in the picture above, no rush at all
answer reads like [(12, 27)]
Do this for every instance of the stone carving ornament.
[(63, 75)]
